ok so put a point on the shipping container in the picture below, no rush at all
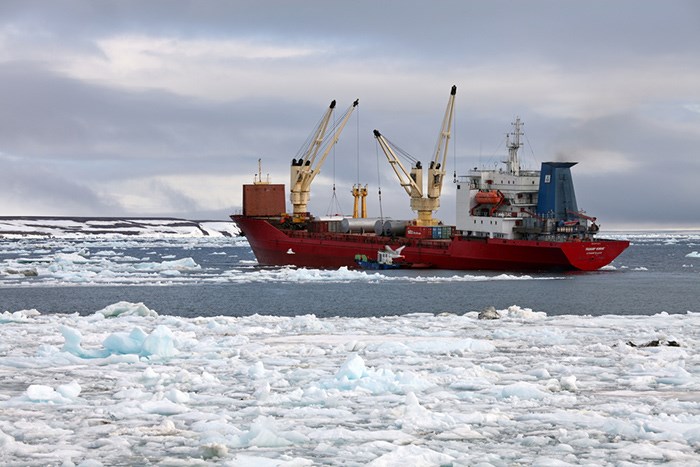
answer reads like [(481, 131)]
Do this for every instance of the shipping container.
[(318, 226), (263, 200), (415, 231)]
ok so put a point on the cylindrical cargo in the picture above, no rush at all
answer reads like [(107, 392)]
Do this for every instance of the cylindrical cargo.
[(395, 228), (379, 227), (334, 226), (358, 225)]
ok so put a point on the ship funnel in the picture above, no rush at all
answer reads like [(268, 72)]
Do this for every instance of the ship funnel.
[(556, 196)]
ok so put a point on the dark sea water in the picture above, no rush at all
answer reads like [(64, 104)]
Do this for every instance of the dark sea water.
[(205, 277)]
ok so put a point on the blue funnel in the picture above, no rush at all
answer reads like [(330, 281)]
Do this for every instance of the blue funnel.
[(556, 197)]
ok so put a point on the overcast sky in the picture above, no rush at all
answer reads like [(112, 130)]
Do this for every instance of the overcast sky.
[(150, 108)]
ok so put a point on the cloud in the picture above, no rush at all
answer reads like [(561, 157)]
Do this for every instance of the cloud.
[(225, 68), (158, 107), (28, 189), (692, 107), (190, 193)]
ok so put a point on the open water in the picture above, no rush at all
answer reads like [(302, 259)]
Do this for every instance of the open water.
[(190, 277), (120, 383)]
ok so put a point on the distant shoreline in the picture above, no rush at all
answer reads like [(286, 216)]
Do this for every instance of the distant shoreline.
[(71, 226)]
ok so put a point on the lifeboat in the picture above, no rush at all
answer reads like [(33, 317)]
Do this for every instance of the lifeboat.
[(489, 197)]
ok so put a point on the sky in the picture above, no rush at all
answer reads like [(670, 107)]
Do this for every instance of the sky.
[(161, 108)]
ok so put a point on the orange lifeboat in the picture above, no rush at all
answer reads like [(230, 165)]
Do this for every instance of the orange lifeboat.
[(489, 197)]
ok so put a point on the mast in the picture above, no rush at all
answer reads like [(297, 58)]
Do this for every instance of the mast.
[(258, 180), (513, 146)]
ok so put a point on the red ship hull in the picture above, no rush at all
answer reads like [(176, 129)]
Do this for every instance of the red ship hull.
[(278, 247)]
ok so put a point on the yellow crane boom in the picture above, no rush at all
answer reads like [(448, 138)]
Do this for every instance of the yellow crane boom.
[(436, 171), (412, 182), (304, 170)]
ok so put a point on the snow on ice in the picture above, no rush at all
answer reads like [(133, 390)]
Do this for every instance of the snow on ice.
[(127, 385), (113, 227)]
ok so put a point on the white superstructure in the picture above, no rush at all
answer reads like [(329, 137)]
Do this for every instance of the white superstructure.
[(491, 203), (512, 203)]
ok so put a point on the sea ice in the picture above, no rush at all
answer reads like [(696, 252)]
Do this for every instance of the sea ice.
[(42, 393), (99, 259), (163, 407), (18, 316), (415, 456), (421, 389), (123, 343), (159, 343), (353, 368), (72, 228), (126, 309), (522, 390)]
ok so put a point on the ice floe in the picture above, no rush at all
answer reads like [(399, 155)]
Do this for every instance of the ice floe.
[(129, 385)]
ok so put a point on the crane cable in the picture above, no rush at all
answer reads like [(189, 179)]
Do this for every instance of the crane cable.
[(357, 145), (379, 181), (334, 202), (454, 148)]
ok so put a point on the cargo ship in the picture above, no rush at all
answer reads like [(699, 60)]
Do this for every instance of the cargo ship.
[(507, 219)]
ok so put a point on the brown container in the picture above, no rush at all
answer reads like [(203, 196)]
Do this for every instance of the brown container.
[(318, 226), (263, 200)]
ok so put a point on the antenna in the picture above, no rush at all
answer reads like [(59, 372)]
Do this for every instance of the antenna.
[(258, 180), (513, 161)]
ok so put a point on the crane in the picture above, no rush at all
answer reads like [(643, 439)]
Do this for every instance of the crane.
[(313, 155), (412, 182)]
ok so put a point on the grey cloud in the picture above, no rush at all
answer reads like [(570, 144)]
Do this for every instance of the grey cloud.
[(32, 186), (76, 131), (446, 29), (52, 118)]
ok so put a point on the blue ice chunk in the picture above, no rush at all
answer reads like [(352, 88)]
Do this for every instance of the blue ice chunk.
[(123, 343), (160, 342), (72, 345)]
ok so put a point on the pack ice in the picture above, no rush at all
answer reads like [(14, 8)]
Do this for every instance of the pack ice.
[(129, 386)]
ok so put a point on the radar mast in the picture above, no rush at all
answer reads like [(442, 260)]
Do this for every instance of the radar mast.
[(513, 146)]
